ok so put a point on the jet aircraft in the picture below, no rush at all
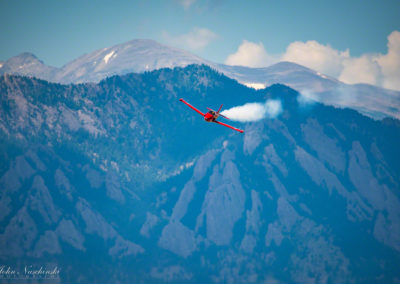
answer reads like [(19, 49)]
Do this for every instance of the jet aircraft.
[(211, 115)]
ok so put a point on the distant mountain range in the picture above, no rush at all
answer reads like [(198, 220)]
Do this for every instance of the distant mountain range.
[(146, 55), (119, 182)]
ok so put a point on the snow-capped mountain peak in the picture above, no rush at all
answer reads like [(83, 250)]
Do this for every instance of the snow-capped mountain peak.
[(27, 64), (134, 56)]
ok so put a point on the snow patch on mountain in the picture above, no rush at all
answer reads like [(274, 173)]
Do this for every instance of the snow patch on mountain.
[(256, 86), (108, 56)]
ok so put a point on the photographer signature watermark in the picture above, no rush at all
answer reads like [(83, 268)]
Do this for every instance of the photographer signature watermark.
[(29, 272)]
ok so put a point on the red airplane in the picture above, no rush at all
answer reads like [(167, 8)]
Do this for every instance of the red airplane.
[(211, 115)]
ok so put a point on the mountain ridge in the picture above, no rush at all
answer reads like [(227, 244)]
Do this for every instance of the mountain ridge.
[(146, 55), (122, 174)]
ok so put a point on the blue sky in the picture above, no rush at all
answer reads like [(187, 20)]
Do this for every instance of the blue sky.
[(58, 31)]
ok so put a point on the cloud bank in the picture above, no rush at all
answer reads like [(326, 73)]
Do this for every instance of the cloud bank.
[(377, 69), (254, 111), (196, 39), (314, 55), (250, 54)]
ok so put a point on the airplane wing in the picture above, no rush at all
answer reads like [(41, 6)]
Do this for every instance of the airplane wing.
[(192, 107), (221, 115), (227, 125)]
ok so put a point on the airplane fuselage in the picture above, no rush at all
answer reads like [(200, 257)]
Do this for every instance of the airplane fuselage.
[(210, 116)]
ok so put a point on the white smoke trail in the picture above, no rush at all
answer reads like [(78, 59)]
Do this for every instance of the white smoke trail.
[(254, 111)]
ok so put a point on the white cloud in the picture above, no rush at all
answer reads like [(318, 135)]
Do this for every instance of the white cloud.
[(307, 98), (377, 69), (314, 55), (273, 108), (186, 3), (254, 111), (250, 54), (196, 39), (362, 69), (390, 62)]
